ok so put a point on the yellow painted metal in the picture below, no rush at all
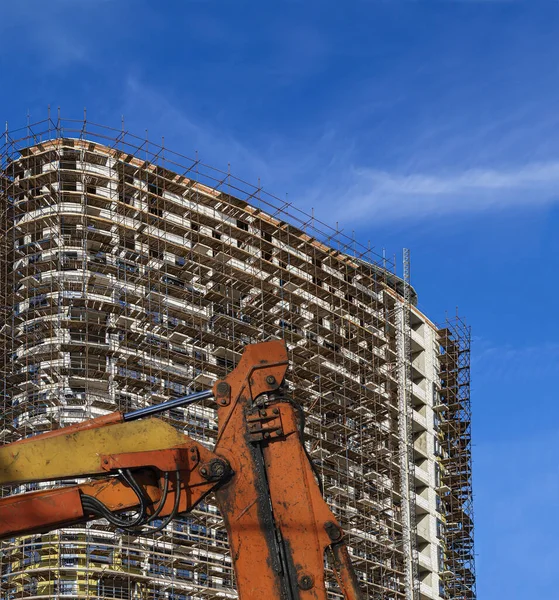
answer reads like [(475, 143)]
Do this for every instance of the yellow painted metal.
[(77, 454)]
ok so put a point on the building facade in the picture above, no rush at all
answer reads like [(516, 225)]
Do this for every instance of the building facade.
[(131, 275)]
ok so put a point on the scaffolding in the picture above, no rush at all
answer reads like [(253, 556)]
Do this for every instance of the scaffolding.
[(132, 275), (458, 574), (405, 417)]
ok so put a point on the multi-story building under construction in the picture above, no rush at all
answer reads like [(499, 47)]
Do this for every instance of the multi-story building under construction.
[(131, 275)]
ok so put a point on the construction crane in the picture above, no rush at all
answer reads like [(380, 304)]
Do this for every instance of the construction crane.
[(138, 469)]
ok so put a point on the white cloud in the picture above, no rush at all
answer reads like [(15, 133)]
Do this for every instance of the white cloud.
[(322, 174), (527, 177), (367, 193), (501, 364)]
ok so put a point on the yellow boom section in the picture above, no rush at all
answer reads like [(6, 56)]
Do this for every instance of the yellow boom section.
[(77, 454)]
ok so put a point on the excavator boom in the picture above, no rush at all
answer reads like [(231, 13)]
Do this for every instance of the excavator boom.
[(139, 469)]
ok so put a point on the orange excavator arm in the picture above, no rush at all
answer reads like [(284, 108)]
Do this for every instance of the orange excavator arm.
[(140, 469)]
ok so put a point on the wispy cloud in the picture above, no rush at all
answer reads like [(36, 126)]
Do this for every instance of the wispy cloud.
[(324, 174), (503, 363), (57, 34), (526, 177), (187, 133), (387, 195)]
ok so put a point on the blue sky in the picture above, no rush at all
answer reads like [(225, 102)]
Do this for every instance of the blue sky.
[(426, 124)]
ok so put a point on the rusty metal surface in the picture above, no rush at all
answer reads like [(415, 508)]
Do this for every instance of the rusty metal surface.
[(102, 421), (75, 452), (182, 458), (301, 513), (41, 511), (243, 501), (36, 512), (274, 511)]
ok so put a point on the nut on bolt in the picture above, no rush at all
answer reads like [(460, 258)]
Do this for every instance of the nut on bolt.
[(223, 393), (271, 380), (306, 581), (333, 531), (216, 469)]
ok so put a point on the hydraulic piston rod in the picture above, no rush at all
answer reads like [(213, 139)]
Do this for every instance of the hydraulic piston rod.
[(159, 408)]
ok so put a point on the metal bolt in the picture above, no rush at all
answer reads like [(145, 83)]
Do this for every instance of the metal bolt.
[(306, 582), (106, 462), (333, 531), (276, 411), (223, 402), (270, 380), (279, 431), (263, 413), (215, 469), (222, 388)]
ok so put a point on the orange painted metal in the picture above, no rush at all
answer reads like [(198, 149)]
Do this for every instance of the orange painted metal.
[(344, 571), (40, 511), (279, 525), (243, 501), (181, 458), (302, 515), (117, 496), (194, 486), (36, 512)]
